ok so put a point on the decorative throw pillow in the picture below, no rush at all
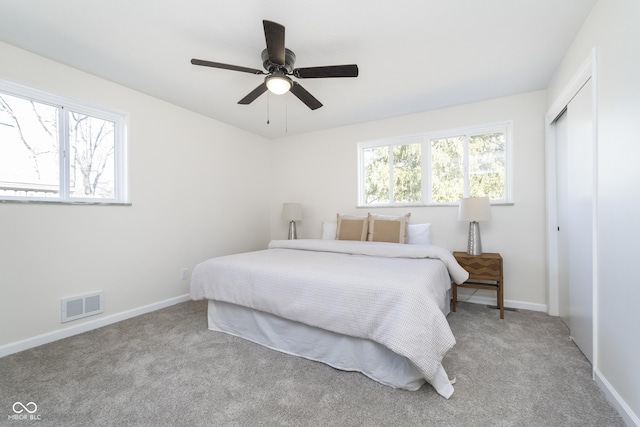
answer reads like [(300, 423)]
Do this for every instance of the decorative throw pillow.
[(386, 228), (351, 228)]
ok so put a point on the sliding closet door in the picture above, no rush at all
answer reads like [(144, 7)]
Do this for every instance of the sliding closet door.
[(562, 159), (575, 207)]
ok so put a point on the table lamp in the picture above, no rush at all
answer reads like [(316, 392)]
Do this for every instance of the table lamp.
[(474, 209), (292, 212)]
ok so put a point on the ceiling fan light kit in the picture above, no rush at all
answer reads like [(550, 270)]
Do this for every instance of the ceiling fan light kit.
[(278, 83), (278, 62)]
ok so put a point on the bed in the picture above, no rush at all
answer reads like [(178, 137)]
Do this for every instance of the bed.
[(373, 307)]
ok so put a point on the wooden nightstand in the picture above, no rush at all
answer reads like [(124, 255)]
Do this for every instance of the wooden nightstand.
[(483, 270)]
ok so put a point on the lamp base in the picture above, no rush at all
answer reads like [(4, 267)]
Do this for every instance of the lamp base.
[(292, 230), (474, 246)]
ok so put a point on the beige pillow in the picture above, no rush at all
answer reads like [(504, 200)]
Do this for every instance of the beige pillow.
[(351, 228), (386, 228)]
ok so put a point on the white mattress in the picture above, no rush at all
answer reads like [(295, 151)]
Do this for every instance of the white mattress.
[(339, 351)]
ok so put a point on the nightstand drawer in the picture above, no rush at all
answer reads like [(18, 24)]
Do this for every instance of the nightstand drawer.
[(487, 265)]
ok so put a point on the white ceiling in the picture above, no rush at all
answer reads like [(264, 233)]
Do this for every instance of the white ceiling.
[(413, 55)]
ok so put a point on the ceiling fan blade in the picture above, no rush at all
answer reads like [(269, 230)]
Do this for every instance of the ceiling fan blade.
[(305, 96), (274, 36), (253, 94), (350, 70), (226, 66)]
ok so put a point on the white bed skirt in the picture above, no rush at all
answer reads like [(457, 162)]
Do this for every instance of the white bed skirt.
[(339, 351)]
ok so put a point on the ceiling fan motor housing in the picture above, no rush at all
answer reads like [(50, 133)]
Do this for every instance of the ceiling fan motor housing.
[(289, 61)]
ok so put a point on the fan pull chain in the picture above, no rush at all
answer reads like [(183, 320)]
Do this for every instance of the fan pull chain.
[(286, 115), (267, 108)]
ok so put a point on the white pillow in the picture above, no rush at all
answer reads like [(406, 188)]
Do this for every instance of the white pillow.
[(419, 234), (329, 230)]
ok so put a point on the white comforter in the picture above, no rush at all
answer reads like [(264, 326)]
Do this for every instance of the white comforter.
[(385, 292)]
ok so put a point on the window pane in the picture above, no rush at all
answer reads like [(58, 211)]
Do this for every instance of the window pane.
[(407, 179), (376, 172), (487, 166), (29, 156), (91, 145), (447, 169)]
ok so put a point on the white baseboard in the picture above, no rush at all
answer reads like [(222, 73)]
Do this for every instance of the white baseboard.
[(38, 340), (507, 303), (616, 401)]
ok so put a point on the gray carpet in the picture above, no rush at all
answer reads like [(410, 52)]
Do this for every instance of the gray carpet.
[(166, 368)]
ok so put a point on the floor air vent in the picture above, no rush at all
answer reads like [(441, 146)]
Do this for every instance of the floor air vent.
[(81, 306)]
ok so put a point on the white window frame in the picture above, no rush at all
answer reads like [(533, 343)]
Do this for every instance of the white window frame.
[(120, 119), (425, 140)]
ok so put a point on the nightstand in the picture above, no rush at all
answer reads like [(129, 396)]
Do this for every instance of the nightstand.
[(485, 272)]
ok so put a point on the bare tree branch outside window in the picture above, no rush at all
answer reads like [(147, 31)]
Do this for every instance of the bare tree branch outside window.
[(30, 150)]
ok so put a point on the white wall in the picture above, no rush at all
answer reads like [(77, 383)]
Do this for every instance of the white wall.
[(612, 28), (319, 170), (198, 189)]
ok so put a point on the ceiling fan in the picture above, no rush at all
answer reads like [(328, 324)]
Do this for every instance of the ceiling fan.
[(278, 62)]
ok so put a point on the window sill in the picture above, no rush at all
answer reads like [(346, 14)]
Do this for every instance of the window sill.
[(417, 205), (62, 202)]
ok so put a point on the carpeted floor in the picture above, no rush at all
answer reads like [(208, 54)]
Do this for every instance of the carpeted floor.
[(166, 369)]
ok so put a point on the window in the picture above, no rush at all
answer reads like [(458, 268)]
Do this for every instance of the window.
[(53, 149), (437, 168)]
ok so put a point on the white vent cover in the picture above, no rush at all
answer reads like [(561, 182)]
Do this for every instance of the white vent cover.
[(77, 307)]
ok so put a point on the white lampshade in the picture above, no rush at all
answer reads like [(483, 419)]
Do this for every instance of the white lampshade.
[(292, 212), (474, 209), (278, 84)]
